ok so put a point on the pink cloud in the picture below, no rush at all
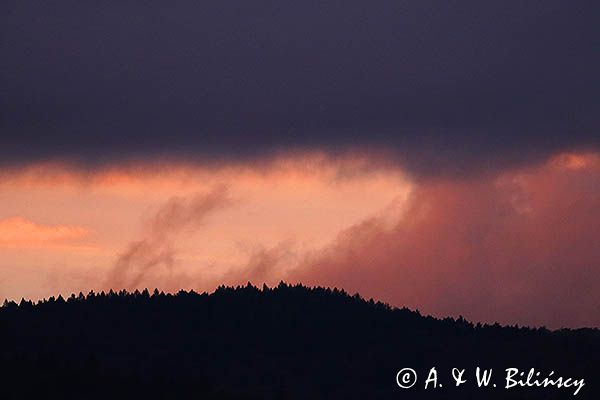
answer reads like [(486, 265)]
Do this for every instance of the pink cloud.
[(521, 247)]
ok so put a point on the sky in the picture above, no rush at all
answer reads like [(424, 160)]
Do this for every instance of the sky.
[(438, 155)]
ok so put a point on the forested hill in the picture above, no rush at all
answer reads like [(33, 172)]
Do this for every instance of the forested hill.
[(286, 342)]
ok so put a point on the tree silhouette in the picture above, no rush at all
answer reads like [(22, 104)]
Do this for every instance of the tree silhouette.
[(285, 342)]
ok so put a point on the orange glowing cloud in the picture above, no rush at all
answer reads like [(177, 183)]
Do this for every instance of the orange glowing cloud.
[(18, 231), (300, 200)]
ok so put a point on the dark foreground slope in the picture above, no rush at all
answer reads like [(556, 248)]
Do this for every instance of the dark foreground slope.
[(286, 342)]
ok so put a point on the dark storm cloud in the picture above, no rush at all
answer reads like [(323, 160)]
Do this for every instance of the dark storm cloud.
[(446, 85)]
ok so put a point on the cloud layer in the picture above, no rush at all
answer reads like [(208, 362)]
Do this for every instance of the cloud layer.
[(447, 88)]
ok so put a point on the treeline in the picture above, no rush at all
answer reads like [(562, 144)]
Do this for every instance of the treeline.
[(286, 342)]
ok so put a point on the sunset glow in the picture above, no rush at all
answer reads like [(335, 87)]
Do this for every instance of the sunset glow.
[(440, 246)]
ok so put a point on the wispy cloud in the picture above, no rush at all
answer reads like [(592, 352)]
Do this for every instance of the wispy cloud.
[(157, 246)]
